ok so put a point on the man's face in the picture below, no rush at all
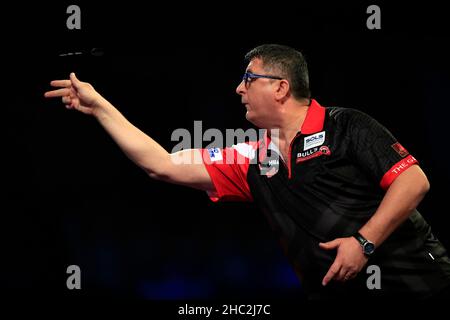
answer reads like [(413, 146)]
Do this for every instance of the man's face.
[(258, 95)]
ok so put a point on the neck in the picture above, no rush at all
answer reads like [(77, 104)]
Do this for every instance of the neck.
[(292, 117)]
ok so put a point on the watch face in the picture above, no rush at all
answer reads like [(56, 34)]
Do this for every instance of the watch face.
[(369, 248)]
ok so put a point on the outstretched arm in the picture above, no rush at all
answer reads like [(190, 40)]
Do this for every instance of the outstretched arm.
[(138, 146)]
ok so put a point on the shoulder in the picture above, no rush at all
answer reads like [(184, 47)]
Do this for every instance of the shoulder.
[(345, 114), (350, 117)]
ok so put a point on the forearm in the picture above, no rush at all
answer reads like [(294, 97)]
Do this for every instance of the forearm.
[(138, 146), (401, 198)]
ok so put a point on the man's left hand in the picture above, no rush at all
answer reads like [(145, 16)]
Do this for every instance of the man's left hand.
[(349, 261)]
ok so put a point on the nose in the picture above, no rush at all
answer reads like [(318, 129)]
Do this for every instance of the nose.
[(240, 88)]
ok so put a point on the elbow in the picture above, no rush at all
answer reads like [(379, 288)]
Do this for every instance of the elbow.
[(159, 170), (153, 175), (156, 175), (161, 174)]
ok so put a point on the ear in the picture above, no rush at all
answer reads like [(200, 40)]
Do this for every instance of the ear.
[(282, 90)]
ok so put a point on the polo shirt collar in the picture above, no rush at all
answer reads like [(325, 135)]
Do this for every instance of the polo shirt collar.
[(314, 120), (315, 117)]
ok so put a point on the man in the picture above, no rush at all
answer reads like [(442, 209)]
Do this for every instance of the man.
[(341, 193)]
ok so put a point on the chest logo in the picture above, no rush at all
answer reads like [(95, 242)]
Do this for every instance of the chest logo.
[(314, 140), (313, 153)]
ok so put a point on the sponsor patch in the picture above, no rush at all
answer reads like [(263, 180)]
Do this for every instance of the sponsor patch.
[(314, 140), (400, 150), (215, 154), (313, 153)]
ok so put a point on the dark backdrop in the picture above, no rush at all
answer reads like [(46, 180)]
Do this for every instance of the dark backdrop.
[(72, 197)]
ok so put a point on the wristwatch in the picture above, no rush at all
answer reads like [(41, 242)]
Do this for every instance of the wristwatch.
[(367, 246)]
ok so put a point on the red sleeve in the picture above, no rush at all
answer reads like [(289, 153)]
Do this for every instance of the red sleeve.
[(396, 170), (228, 171)]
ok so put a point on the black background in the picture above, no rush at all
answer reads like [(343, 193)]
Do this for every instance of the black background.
[(72, 197)]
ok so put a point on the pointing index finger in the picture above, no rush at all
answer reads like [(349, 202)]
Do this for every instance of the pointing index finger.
[(57, 93), (334, 269)]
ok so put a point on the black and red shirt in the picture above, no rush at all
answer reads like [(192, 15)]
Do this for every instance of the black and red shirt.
[(341, 162)]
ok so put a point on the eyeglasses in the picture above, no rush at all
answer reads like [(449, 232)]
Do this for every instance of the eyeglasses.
[(248, 77)]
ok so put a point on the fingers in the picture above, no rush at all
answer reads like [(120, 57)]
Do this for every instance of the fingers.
[(57, 93), (343, 275), (331, 274), (75, 82), (61, 83), (350, 275), (338, 273), (330, 244), (66, 100)]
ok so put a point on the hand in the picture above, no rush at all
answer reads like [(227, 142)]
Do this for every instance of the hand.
[(75, 94), (349, 261)]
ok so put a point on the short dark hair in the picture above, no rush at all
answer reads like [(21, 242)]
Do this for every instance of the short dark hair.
[(288, 63)]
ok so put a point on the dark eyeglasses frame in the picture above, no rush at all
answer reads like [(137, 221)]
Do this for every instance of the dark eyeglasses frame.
[(249, 76)]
